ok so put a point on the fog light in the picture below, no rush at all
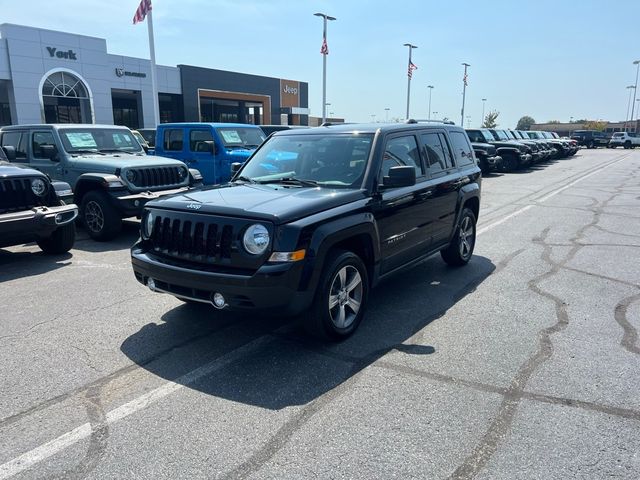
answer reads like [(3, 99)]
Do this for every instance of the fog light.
[(151, 284), (59, 218), (136, 203), (218, 301)]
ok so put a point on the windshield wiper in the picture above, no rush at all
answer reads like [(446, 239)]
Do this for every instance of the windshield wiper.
[(86, 150), (251, 145), (292, 180), (245, 179), (115, 150)]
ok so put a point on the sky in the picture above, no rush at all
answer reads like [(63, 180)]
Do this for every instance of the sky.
[(551, 60)]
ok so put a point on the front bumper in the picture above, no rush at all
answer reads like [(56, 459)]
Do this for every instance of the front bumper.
[(38, 222), (132, 205), (273, 287)]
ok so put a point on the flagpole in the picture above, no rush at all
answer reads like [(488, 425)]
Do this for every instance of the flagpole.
[(464, 92), (324, 53), (411, 47), (154, 82)]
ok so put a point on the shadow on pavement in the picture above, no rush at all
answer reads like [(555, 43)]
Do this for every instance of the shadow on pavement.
[(25, 264), (287, 367), (125, 239)]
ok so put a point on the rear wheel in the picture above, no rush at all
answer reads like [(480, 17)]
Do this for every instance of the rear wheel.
[(627, 144), (100, 218), (590, 144), (460, 250), (340, 298), (60, 241)]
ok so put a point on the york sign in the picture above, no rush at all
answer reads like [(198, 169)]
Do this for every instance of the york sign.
[(69, 54)]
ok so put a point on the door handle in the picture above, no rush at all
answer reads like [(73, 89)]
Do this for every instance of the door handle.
[(425, 195)]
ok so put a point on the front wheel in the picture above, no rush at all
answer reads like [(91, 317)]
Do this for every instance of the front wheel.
[(100, 218), (460, 250), (60, 241), (340, 298), (627, 144)]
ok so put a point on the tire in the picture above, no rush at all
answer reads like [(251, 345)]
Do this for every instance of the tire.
[(627, 144), (100, 218), (344, 282), (590, 144), (511, 163), (60, 241), (460, 250)]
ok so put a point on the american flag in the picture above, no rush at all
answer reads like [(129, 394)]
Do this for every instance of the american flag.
[(324, 50), (412, 67), (464, 80), (141, 12)]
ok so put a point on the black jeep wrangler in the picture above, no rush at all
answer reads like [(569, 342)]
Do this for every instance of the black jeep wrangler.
[(32, 208), (314, 219)]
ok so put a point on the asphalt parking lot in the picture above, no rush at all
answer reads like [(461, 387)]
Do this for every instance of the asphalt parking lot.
[(524, 364)]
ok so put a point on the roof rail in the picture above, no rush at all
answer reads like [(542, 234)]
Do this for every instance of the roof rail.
[(413, 120)]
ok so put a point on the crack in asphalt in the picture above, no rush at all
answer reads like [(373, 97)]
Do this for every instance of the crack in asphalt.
[(500, 427), (630, 337)]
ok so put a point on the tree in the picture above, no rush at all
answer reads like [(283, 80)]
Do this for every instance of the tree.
[(490, 119), (525, 123), (595, 125)]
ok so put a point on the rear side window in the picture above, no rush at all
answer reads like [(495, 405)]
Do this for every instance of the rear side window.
[(475, 136), (198, 139), (38, 140), (461, 148), (18, 140), (436, 152), (173, 139), (401, 151)]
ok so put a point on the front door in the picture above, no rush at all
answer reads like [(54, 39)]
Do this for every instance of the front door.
[(54, 169), (201, 153)]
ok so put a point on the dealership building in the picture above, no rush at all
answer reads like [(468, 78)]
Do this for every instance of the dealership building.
[(56, 77)]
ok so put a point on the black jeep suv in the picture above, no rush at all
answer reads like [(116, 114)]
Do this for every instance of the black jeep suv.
[(32, 208), (590, 138), (314, 219)]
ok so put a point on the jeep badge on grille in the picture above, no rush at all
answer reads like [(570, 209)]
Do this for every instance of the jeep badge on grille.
[(194, 206)]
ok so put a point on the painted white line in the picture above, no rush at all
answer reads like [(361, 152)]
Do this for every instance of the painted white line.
[(545, 198), (38, 454)]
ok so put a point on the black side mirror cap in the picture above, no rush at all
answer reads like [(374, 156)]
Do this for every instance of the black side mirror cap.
[(50, 152), (235, 167), (400, 176), (10, 152)]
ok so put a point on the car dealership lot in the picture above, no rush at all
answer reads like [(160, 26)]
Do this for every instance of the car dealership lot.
[(522, 365)]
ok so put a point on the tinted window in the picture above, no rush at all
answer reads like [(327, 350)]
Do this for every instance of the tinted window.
[(476, 136), (198, 139), (18, 140), (401, 151), (436, 152), (39, 139), (173, 140), (461, 148)]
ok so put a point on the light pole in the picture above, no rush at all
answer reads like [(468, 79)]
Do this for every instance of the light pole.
[(635, 88), (324, 51), (373, 118), (434, 113), (570, 119), (484, 100), (386, 115), (626, 119), (468, 121), (410, 69), (464, 92), (430, 87)]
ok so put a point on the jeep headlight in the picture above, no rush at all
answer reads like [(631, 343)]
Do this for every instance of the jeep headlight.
[(182, 173), (147, 225), (38, 187), (256, 239), (131, 176)]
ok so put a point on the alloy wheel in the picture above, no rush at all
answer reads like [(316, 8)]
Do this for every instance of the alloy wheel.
[(93, 217), (465, 243), (345, 296)]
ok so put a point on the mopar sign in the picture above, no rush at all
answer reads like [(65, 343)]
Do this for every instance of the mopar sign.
[(121, 72)]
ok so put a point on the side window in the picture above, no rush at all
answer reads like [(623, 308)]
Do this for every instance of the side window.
[(173, 139), (198, 139), (38, 139), (401, 151), (475, 136), (461, 148), (437, 152), (18, 140)]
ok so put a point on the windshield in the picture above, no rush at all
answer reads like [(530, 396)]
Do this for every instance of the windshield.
[(501, 135), (521, 135), (487, 136), (104, 140), (533, 135), (140, 138), (239, 137), (511, 135), (329, 160)]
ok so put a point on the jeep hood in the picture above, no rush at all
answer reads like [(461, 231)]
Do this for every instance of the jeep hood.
[(13, 170), (273, 202), (110, 163)]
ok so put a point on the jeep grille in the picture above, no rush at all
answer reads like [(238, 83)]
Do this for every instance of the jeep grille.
[(16, 195), (154, 177)]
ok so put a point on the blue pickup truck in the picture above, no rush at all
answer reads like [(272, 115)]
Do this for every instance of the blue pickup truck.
[(209, 147)]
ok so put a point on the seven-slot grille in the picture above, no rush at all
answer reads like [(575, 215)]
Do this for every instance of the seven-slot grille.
[(16, 195), (203, 240), (151, 177)]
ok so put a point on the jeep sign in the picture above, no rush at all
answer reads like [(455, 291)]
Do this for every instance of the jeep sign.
[(69, 54), (289, 93)]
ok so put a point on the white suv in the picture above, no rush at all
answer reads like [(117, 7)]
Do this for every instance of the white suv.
[(624, 139)]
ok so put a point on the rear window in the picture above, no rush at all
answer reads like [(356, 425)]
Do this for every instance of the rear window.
[(619, 134), (173, 140), (461, 148)]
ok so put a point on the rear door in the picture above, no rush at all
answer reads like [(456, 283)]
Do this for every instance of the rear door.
[(443, 184), (402, 213)]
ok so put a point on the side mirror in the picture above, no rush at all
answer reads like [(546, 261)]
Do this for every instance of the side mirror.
[(235, 167), (400, 176), (10, 152), (50, 152)]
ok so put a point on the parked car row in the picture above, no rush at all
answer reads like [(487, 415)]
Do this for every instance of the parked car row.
[(509, 150), (595, 139)]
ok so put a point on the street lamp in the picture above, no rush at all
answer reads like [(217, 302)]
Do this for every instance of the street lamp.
[(635, 88), (464, 92), (570, 119), (324, 51), (626, 119), (409, 73), (373, 118), (386, 114), (482, 119), (430, 87), (434, 113)]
